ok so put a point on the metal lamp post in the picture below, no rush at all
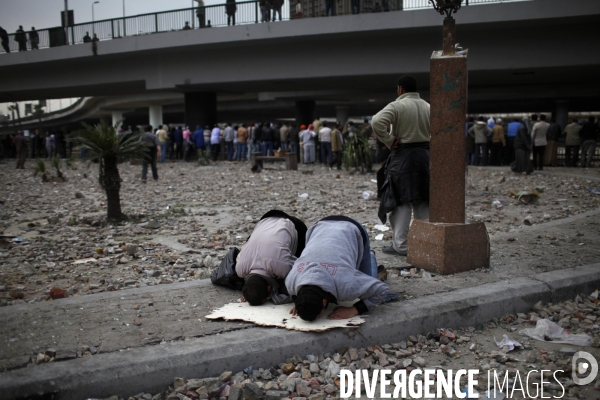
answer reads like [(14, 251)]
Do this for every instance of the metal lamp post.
[(93, 27), (448, 7)]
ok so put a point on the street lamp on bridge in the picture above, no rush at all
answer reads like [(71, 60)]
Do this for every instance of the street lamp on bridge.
[(93, 27)]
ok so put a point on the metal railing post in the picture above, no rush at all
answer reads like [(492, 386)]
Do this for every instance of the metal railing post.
[(112, 28), (73, 35), (256, 11), (124, 27), (156, 21)]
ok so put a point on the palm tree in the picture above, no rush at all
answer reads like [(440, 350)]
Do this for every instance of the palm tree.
[(106, 147)]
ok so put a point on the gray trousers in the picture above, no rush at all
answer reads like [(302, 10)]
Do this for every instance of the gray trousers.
[(588, 148), (400, 221), (309, 153)]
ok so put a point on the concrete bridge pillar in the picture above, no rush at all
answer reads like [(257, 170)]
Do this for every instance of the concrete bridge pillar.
[(305, 112), (341, 114), (200, 109), (156, 118), (561, 113), (117, 117)]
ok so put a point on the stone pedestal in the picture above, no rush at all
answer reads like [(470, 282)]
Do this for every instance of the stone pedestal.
[(448, 248), (445, 244)]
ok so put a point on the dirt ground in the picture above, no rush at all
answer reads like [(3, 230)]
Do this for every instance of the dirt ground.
[(181, 226)]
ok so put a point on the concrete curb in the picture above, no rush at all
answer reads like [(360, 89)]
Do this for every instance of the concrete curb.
[(153, 368)]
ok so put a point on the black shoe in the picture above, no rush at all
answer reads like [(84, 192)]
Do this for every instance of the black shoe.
[(392, 251), (143, 181)]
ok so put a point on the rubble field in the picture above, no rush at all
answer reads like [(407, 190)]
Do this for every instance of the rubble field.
[(55, 242)]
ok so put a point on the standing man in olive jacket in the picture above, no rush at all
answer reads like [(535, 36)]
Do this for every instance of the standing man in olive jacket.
[(405, 189)]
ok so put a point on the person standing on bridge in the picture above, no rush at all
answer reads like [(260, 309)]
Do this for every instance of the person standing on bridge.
[(201, 13), (34, 39), (277, 4), (4, 39), (21, 39), (265, 10), (230, 10), (405, 189)]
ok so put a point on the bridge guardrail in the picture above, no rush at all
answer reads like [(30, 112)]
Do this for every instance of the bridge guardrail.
[(248, 12)]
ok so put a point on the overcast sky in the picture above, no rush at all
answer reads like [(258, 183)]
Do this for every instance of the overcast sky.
[(46, 13)]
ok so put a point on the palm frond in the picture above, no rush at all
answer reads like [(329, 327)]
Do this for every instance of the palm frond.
[(40, 168), (357, 153), (57, 163), (102, 141)]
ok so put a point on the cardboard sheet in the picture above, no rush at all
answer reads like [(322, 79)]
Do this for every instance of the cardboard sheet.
[(271, 315)]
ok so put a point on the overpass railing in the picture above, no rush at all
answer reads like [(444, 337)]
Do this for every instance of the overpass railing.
[(247, 12)]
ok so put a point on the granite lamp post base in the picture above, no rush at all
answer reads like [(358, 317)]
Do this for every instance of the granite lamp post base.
[(448, 248)]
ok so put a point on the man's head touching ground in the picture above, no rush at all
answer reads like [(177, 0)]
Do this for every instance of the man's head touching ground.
[(256, 290), (310, 302)]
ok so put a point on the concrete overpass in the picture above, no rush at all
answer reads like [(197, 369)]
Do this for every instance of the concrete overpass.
[(523, 56)]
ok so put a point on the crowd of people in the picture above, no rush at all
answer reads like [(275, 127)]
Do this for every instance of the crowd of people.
[(514, 143), (319, 142), (22, 38), (37, 145), (493, 142)]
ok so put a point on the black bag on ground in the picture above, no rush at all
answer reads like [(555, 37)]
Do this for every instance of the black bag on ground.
[(225, 275)]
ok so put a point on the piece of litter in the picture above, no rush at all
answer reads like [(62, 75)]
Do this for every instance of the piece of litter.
[(381, 228), (508, 342), (368, 194), (546, 330), (379, 237), (303, 195), (85, 261), (374, 180)]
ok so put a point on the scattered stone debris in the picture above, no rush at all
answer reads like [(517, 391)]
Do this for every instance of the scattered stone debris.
[(315, 377), (181, 226)]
